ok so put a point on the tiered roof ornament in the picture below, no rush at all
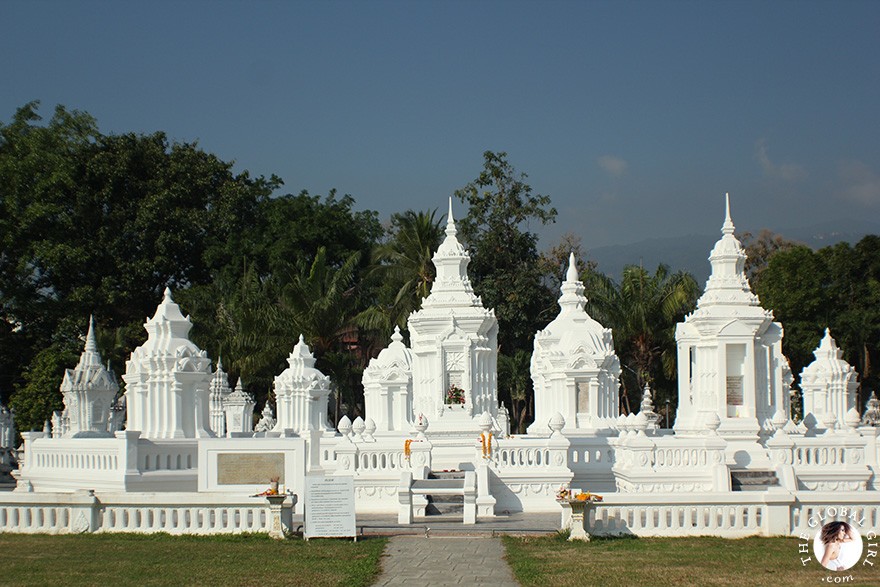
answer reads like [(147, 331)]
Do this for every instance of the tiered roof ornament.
[(647, 407), (301, 393), (167, 379), (89, 391), (574, 367), (452, 287), (220, 390), (727, 286), (829, 384)]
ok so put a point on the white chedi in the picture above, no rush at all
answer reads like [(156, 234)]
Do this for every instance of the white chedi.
[(89, 390), (574, 367), (167, 379), (388, 386), (301, 393), (454, 343), (829, 385), (730, 359)]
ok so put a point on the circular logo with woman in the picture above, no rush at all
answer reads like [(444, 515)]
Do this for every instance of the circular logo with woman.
[(838, 546)]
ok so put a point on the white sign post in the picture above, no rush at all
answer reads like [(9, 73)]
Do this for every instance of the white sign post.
[(329, 507)]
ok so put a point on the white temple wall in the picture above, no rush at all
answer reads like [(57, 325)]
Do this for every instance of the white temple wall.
[(123, 463)]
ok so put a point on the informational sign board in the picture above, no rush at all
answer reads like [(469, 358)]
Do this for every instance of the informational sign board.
[(329, 507)]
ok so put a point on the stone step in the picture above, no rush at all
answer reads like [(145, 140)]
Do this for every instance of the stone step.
[(439, 505), (753, 480), (446, 475), (426, 486)]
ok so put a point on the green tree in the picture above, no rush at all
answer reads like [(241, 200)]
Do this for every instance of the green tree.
[(759, 249), (504, 268), (504, 257), (836, 287), (321, 303), (93, 223), (642, 310), (38, 394)]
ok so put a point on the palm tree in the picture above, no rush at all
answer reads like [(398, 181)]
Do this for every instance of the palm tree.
[(642, 311), (403, 267), (320, 302)]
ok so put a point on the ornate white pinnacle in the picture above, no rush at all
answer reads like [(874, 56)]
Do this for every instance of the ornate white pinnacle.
[(90, 356), (727, 227), (450, 221), (572, 297)]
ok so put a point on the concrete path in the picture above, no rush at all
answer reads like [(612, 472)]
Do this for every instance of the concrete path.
[(446, 560)]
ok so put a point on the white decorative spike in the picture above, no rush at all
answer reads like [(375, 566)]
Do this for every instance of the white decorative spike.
[(727, 227), (90, 356), (572, 289), (572, 273), (450, 221), (91, 345)]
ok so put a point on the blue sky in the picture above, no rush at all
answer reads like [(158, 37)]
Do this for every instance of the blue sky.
[(635, 117)]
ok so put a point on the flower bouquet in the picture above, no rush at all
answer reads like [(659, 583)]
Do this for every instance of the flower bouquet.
[(454, 395)]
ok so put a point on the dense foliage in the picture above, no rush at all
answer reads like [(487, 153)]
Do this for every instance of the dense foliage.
[(97, 223)]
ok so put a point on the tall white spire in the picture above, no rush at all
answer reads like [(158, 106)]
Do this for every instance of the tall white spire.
[(727, 285), (450, 221), (90, 356), (451, 288), (728, 227)]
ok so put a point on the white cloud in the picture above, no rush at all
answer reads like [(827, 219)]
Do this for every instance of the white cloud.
[(784, 171), (860, 183), (613, 165)]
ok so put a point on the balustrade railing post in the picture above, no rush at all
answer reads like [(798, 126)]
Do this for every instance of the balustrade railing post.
[(777, 521), (84, 512)]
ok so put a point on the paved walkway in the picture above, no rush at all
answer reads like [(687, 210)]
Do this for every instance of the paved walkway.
[(445, 560)]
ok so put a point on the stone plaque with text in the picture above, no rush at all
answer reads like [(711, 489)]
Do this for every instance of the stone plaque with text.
[(249, 468)]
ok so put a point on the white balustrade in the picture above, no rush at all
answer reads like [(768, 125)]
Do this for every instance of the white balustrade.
[(172, 513)]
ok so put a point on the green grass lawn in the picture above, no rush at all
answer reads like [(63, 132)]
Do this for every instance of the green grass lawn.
[(625, 562), (130, 559)]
